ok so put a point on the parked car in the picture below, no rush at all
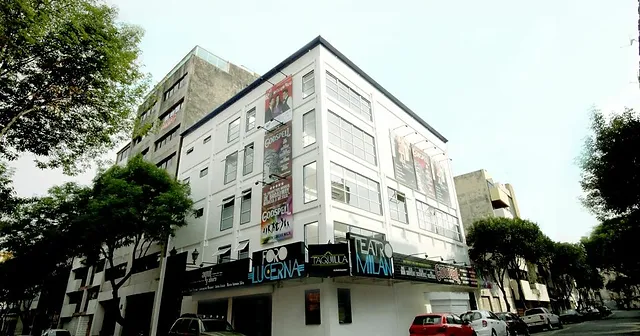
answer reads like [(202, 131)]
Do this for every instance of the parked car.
[(541, 318), (440, 324), (485, 323), (590, 313), (515, 325), (571, 316), (604, 311), (56, 332), (193, 325)]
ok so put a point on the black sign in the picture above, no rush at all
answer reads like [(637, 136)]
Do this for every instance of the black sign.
[(420, 269), (278, 263), (225, 275), (370, 257), (328, 260)]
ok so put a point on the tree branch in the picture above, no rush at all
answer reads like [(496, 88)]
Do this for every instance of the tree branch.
[(13, 120)]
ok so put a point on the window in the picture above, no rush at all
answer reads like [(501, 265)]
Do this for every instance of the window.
[(437, 221), (308, 84), (170, 116), (167, 138), (340, 231), (207, 139), (226, 220), (243, 250), (146, 263), (199, 212), (351, 139), (166, 163), (398, 206), (224, 254), (309, 128), (180, 83), (353, 100), (190, 150), (204, 172), (250, 120), (234, 130), (311, 233), (354, 189), (145, 152), (310, 182), (230, 167), (247, 162), (245, 207), (344, 305)]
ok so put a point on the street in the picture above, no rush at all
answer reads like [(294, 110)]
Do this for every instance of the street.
[(619, 323)]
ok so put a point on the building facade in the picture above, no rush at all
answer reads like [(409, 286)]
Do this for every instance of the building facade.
[(480, 197), (199, 83), (324, 206)]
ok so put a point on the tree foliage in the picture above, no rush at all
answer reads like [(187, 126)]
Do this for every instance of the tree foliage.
[(611, 165), (498, 244), (135, 206), (69, 80)]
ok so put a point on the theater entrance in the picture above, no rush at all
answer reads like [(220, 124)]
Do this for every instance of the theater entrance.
[(252, 315)]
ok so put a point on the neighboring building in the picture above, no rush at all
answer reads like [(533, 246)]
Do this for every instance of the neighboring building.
[(480, 197), (317, 152), (199, 83)]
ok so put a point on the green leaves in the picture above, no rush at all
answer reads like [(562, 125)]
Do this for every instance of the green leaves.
[(69, 80)]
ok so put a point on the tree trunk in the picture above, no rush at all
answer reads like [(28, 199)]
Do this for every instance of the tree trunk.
[(504, 295)]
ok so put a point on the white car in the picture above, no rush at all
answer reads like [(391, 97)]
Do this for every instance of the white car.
[(485, 323), (541, 318)]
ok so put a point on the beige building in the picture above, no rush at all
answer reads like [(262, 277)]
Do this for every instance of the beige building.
[(480, 197)]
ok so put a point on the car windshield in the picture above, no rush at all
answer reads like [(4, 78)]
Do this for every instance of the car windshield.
[(470, 316), (426, 320), (570, 311), (533, 311), (216, 325), (503, 316)]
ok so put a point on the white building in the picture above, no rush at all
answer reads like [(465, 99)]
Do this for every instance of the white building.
[(343, 156)]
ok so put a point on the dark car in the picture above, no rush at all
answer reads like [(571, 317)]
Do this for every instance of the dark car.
[(590, 313), (515, 325), (604, 311), (571, 316), (194, 325)]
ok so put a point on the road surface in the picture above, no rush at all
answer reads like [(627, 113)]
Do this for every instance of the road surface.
[(620, 323)]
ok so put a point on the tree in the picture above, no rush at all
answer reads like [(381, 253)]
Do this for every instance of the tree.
[(132, 207), (39, 239), (567, 262), (8, 199), (497, 245), (610, 170), (69, 80)]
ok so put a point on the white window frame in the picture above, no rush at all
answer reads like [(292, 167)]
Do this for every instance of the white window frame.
[(224, 252), (309, 128), (226, 204), (308, 84), (204, 172), (230, 168), (348, 97), (233, 130), (247, 160), (311, 233), (352, 139), (243, 251), (245, 207), (343, 179), (250, 119), (310, 180), (398, 206)]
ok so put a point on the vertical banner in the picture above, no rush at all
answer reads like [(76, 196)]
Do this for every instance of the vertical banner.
[(277, 153), (278, 108), (403, 161), (277, 213), (424, 172), (441, 183)]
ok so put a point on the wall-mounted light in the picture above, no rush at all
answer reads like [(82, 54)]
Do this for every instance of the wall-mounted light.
[(173, 251), (194, 256)]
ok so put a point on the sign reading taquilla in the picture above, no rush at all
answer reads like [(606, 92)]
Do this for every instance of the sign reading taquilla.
[(328, 260)]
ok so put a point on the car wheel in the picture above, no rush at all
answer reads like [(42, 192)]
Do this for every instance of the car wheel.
[(560, 325), (549, 325), (526, 331), (493, 332)]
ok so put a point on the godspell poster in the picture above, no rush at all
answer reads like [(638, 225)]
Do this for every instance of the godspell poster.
[(277, 212), (278, 104), (441, 183), (423, 165), (403, 161), (277, 153)]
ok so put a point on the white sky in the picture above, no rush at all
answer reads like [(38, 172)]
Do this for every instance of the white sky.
[(509, 83)]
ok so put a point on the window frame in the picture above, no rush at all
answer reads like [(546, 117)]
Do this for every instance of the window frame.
[(228, 173), (248, 168), (249, 125), (199, 212), (245, 197), (204, 172), (315, 226), (348, 319), (235, 134), (229, 200), (222, 256), (351, 139), (350, 196), (310, 194), (308, 84), (308, 127), (395, 207), (347, 96), (244, 253)]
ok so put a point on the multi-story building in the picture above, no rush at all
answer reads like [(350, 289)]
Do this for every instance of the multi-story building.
[(480, 197), (324, 206), (199, 83)]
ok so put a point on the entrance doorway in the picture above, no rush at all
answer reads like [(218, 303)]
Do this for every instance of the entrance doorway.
[(252, 315), (138, 314)]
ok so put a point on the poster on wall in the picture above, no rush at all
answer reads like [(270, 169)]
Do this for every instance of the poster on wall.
[(403, 161), (277, 153), (278, 263), (441, 183), (424, 172), (370, 257), (277, 212), (278, 104)]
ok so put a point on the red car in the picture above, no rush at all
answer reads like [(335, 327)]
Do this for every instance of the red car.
[(440, 324)]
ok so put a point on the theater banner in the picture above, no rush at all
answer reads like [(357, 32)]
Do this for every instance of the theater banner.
[(403, 161), (441, 182), (277, 153), (277, 214), (424, 172), (414, 268), (278, 104)]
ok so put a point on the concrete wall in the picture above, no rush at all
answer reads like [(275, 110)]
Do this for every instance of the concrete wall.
[(473, 196)]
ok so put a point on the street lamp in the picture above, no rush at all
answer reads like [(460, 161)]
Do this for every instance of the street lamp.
[(194, 256)]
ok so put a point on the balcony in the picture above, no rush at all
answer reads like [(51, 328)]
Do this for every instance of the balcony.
[(68, 310), (534, 291), (74, 285), (499, 196), (502, 213)]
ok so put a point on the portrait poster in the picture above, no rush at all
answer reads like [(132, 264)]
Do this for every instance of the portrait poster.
[(277, 153), (424, 172), (277, 212), (278, 104), (403, 161), (441, 182)]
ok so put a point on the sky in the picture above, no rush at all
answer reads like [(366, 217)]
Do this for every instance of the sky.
[(509, 83)]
